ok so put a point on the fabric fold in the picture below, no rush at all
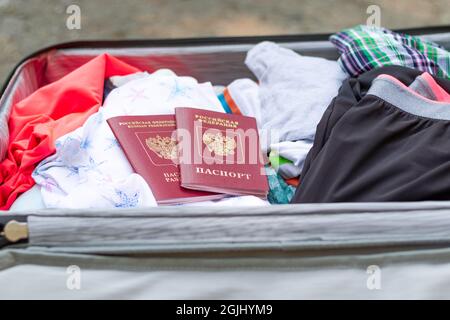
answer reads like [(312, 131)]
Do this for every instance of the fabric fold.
[(380, 141), (364, 48), (49, 113)]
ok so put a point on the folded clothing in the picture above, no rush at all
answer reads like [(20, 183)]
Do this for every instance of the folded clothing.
[(291, 155), (49, 113), (90, 170), (242, 97), (380, 141), (426, 86), (279, 191), (364, 48), (283, 166), (294, 91)]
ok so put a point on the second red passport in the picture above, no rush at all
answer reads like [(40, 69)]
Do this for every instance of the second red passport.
[(220, 152)]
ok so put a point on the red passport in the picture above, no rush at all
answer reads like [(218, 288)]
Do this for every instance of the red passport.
[(150, 144), (220, 152)]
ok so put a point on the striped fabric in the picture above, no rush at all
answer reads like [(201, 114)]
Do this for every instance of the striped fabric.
[(228, 103), (364, 48)]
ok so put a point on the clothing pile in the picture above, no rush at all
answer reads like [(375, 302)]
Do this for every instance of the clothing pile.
[(372, 126), (384, 137), (387, 133)]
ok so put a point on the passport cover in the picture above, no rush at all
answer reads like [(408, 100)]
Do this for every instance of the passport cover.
[(220, 152)]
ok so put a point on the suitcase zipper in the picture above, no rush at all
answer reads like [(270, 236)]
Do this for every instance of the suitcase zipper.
[(13, 229)]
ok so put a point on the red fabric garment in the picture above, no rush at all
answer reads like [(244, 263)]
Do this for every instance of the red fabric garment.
[(49, 113)]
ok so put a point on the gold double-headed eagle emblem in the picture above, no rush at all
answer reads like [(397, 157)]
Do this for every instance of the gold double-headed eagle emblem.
[(219, 144), (166, 147)]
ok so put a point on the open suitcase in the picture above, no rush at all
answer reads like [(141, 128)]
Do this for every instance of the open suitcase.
[(345, 250)]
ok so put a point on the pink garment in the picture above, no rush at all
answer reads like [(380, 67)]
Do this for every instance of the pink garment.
[(439, 93)]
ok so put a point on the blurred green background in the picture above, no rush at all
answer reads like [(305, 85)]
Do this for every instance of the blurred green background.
[(27, 25)]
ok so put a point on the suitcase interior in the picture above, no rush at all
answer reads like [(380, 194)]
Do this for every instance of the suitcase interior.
[(300, 237)]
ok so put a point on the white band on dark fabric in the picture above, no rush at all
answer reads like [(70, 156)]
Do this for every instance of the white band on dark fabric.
[(404, 98)]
